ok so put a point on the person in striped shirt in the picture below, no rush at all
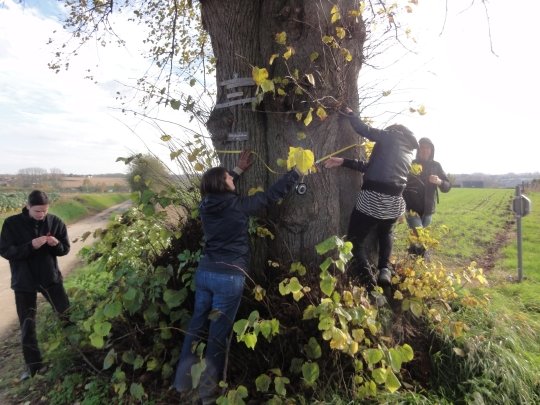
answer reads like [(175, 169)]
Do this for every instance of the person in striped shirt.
[(380, 202)]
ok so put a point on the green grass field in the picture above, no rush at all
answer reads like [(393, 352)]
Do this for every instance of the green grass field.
[(474, 219), (72, 207)]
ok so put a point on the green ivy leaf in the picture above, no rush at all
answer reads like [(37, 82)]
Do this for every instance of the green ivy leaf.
[(279, 384), (196, 372), (109, 359), (373, 356), (327, 283), (310, 372), (395, 359), (174, 298), (240, 327), (136, 390), (152, 363), (416, 308), (328, 244), (313, 349), (392, 383), (407, 353), (379, 375), (250, 339), (262, 383)]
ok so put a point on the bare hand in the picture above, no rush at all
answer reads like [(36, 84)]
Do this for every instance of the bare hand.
[(346, 111), (434, 179), (39, 242), (333, 162), (245, 160), (52, 241)]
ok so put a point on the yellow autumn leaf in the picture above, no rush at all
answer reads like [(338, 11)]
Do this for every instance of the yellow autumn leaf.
[(422, 110), (335, 15), (339, 339), (301, 135), (346, 54), (340, 32), (268, 85), (259, 75), (416, 169), (281, 92), (198, 167), (259, 293), (272, 58), (288, 53), (298, 116), (302, 159), (255, 190), (309, 117), (328, 39), (281, 38), (313, 57), (321, 113)]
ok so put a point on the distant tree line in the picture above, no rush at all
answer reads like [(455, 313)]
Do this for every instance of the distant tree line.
[(33, 176)]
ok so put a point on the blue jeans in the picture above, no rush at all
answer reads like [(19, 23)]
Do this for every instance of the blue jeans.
[(220, 293), (417, 221)]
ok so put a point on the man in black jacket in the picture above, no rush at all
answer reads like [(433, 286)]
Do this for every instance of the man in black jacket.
[(32, 241), (422, 189)]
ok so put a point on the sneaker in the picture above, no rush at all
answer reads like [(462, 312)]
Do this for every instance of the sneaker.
[(25, 375), (385, 277)]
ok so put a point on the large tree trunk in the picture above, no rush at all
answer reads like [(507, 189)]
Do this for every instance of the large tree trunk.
[(243, 36)]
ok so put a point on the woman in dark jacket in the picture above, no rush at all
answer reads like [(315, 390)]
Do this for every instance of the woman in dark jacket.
[(222, 269), (422, 187), (379, 203), (32, 241)]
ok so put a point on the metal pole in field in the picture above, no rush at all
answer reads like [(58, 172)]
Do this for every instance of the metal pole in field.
[(519, 246)]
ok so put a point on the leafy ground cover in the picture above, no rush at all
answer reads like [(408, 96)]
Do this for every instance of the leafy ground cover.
[(485, 349)]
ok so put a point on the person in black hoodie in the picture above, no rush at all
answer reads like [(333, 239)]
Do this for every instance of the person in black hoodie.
[(220, 275), (380, 202), (422, 188), (32, 241)]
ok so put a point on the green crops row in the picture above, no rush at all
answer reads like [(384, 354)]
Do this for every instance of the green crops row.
[(14, 201)]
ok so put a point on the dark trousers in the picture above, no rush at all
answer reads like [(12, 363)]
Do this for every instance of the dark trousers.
[(360, 226), (26, 303)]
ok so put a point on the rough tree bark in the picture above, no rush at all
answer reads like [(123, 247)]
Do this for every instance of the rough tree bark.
[(243, 35)]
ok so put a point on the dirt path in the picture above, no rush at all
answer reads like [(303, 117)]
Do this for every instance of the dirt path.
[(8, 319)]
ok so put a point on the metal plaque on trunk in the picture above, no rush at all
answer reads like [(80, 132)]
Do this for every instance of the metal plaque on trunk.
[(237, 136)]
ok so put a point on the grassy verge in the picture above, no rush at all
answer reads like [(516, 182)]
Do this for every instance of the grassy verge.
[(73, 207)]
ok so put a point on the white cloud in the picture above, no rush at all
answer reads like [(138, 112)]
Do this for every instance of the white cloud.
[(63, 120), (480, 107)]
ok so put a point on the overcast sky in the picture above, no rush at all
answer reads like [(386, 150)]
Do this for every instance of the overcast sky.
[(480, 107)]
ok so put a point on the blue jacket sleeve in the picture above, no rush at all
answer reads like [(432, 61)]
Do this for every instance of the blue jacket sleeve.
[(275, 192)]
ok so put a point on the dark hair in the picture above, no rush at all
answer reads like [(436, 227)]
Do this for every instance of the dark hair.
[(38, 197), (213, 181), (400, 128)]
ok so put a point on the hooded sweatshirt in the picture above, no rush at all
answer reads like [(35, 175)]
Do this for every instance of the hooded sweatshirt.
[(420, 194)]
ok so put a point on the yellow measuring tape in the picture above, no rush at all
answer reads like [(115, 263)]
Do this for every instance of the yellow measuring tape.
[(337, 152)]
